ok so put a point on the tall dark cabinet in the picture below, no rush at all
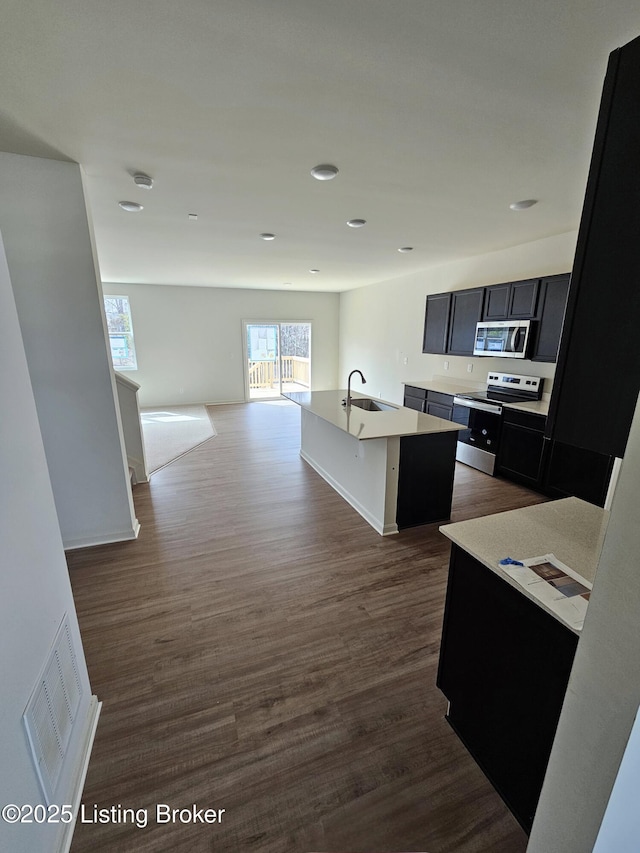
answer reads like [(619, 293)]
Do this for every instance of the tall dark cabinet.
[(598, 374)]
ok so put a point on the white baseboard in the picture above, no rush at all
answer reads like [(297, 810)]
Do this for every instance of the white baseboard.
[(377, 524), (90, 542), (81, 771)]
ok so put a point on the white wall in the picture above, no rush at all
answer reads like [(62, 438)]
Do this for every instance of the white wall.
[(34, 581), (189, 340), (604, 688), (43, 220), (382, 324)]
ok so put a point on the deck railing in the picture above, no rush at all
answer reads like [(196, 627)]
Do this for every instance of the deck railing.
[(264, 374)]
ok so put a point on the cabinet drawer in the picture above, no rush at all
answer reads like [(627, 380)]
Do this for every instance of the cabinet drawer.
[(442, 399), (412, 391), (439, 411), (415, 403), (524, 419)]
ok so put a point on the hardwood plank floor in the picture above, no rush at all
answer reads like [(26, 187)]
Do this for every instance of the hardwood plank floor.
[(261, 649)]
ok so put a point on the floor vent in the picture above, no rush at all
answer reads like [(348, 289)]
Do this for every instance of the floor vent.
[(52, 710)]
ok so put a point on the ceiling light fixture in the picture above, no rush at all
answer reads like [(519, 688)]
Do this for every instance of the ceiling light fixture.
[(324, 172), (314, 271), (356, 223), (142, 180), (192, 216), (524, 204), (268, 236), (130, 206), (406, 249)]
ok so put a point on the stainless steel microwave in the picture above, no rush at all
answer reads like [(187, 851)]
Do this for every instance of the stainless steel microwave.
[(502, 338)]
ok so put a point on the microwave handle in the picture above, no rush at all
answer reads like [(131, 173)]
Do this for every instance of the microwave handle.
[(515, 338)]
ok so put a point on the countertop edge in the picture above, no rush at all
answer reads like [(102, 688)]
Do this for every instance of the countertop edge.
[(595, 518)]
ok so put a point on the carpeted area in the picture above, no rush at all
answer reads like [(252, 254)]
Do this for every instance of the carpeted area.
[(171, 432)]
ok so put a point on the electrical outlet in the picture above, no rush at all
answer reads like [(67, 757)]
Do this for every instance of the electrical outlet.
[(470, 368), (405, 360), (446, 365)]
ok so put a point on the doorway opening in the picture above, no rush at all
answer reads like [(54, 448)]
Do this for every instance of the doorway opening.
[(278, 359)]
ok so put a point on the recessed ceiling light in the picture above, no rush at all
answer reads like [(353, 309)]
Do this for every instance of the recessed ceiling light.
[(130, 206), (192, 216), (524, 204), (142, 180), (356, 223), (406, 249), (314, 271), (324, 172), (287, 283), (268, 236)]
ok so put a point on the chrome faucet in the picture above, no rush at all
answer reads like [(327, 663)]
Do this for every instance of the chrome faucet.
[(347, 400)]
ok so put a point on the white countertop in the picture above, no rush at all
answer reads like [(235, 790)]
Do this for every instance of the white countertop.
[(458, 386), (570, 528), (368, 425), (455, 386), (536, 407)]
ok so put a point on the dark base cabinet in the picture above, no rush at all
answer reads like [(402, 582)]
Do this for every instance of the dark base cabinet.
[(573, 471), (521, 450), (504, 667), (425, 478), (415, 398)]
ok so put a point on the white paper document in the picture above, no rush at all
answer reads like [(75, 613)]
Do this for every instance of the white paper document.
[(562, 590)]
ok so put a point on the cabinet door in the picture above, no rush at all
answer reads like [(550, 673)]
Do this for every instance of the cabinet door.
[(599, 358), (440, 411), (520, 454), (516, 300), (552, 304), (523, 299), (496, 302), (466, 311), (436, 323), (504, 667), (415, 398)]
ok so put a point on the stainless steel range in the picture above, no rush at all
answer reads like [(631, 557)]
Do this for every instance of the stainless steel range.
[(482, 410)]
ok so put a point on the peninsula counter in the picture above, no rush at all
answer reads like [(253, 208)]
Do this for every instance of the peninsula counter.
[(395, 467)]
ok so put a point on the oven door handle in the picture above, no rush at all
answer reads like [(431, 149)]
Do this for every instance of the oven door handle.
[(476, 404)]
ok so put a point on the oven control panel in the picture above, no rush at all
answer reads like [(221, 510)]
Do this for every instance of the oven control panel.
[(531, 384)]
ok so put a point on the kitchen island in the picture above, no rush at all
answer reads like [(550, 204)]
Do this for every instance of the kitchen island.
[(394, 466)]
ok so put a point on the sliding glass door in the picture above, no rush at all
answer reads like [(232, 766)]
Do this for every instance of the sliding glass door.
[(278, 359)]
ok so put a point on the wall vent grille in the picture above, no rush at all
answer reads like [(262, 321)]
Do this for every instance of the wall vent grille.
[(52, 710)]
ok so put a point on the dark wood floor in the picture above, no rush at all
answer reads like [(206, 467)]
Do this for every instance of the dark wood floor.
[(260, 649)]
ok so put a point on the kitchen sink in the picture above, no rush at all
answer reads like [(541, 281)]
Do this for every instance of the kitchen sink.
[(370, 405)]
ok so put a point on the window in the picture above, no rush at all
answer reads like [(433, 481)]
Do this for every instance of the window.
[(120, 328)]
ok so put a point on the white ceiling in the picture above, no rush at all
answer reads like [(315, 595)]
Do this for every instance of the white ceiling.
[(438, 114)]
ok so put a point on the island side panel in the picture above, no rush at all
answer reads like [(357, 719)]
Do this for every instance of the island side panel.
[(425, 479), (357, 470)]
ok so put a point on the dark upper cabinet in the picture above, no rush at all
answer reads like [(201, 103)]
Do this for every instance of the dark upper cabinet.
[(552, 302), (516, 300), (598, 376), (436, 323), (523, 299), (496, 302), (466, 311), (450, 319)]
